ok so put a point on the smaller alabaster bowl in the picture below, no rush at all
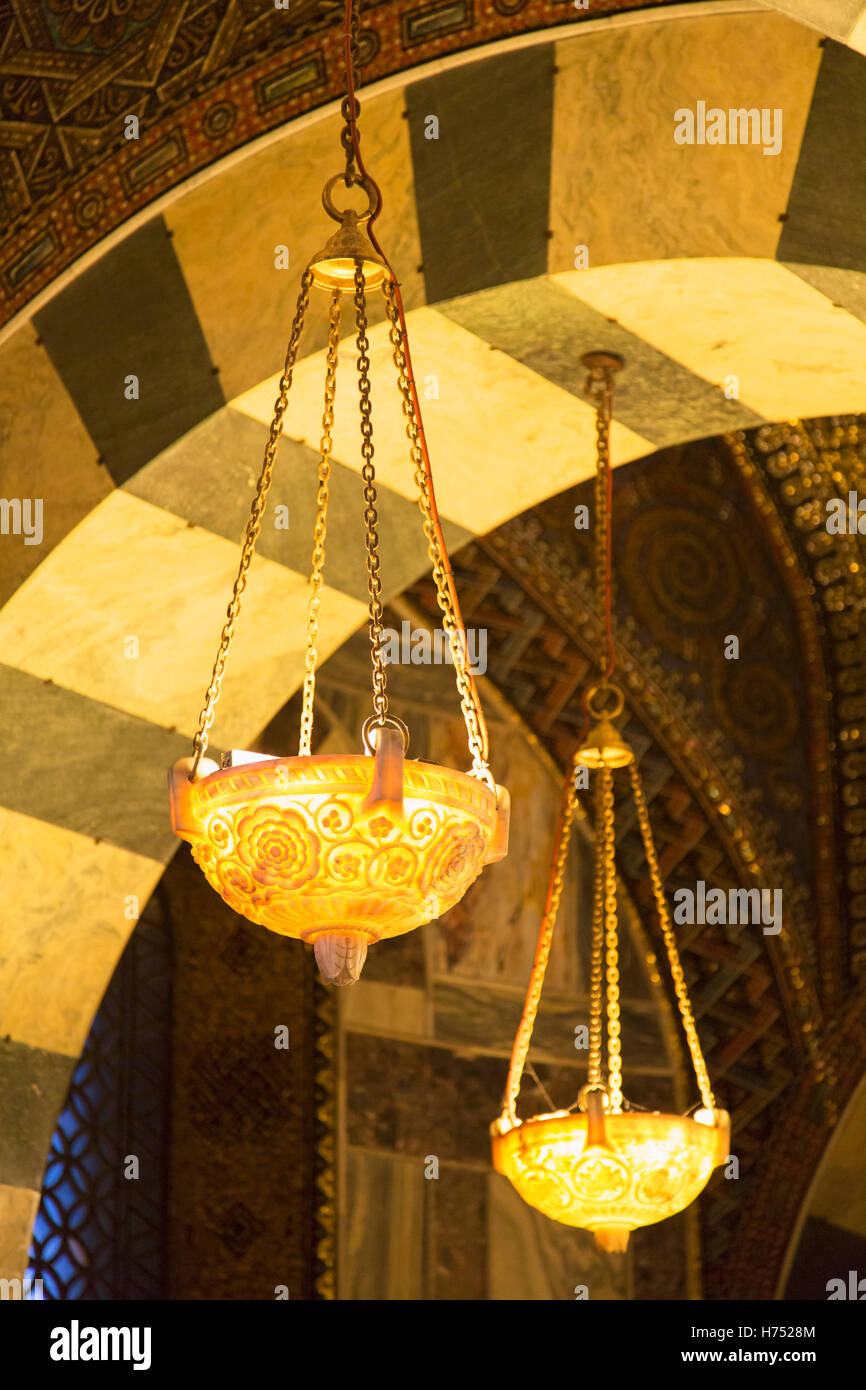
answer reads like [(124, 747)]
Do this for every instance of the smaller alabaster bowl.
[(648, 1167), (290, 844)]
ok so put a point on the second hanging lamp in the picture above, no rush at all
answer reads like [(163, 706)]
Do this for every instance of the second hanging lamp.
[(342, 851), (603, 1163)]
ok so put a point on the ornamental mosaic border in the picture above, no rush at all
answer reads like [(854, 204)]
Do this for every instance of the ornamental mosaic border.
[(247, 82), (809, 462)]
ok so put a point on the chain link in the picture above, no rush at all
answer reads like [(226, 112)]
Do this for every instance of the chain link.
[(607, 851), (600, 391), (254, 526), (371, 518), (605, 945), (602, 444), (355, 34), (351, 175), (316, 579), (523, 1036), (472, 715), (349, 117), (594, 1076), (670, 943)]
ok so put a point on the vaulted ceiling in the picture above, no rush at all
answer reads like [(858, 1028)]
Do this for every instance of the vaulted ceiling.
[(733, 283)]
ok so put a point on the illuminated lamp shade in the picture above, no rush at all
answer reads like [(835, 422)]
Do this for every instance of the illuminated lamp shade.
[(343, 851), (639, 1169), (298, 845)]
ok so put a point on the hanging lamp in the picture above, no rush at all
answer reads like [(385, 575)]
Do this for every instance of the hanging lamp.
[(344, 851), (602, 1164)]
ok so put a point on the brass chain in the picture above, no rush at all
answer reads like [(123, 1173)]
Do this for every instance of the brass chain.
[(600, 391), (346, 136), (670, 943), (316, 579), (371, 518), (614, 1057), (472, 715), (523, 1036), (254, 526), (602, 444), (594, 1075)]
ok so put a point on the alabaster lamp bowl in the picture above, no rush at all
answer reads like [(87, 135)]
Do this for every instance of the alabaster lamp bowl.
[(305, 847), (640, 1169)]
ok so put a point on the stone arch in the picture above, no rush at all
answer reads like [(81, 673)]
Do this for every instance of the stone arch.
[(700, 270)]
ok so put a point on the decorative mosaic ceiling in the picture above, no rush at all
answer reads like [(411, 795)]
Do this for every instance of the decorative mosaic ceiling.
[(202, 79)]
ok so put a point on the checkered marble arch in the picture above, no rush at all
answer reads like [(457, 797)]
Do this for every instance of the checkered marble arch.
[(204, 80), (732, 282)]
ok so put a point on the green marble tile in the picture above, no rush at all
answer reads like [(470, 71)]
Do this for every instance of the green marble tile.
[(33, 1086), (36, 412), (384, 1079), (533, 1258), (384, 1252), (65, 752), (826, 214), (209, 476), (467, 1014), (483, 221), (470, 1013), (131, 313), (847, 288), (458, 1234), (547, 329)]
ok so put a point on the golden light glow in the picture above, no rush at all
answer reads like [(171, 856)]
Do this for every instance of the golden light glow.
[(332, 272), (604, 746), (289, 843), (648, 1167)]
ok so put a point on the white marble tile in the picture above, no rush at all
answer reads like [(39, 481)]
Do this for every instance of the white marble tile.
[(620, 184), (501, 437), (59, 946), (793, 353), (133, 573)]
